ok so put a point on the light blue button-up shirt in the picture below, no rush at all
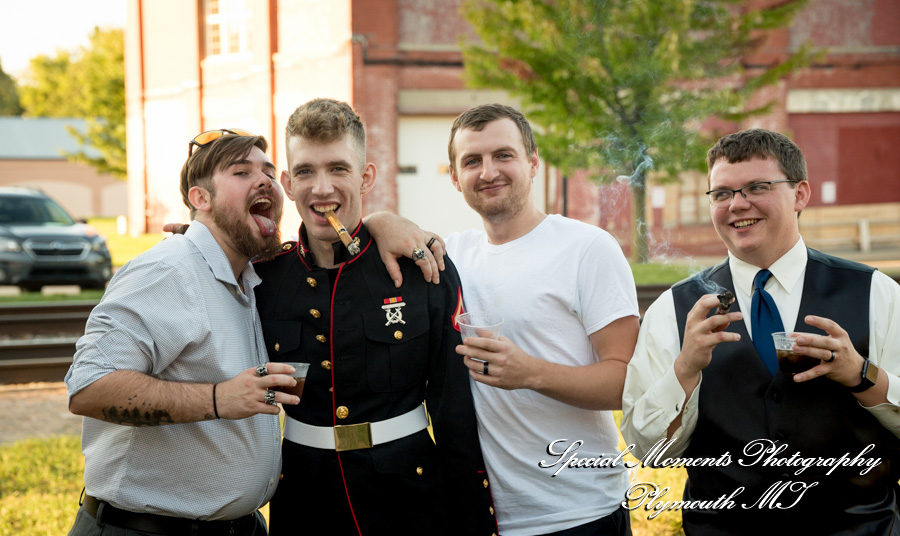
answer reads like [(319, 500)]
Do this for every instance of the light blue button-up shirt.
[(177, 313)]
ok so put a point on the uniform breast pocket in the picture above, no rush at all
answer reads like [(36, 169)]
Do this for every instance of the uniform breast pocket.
[(396, 349), (283, 339)]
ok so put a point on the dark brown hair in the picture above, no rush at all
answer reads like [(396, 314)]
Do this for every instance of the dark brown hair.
[(479, 116), (206, 160), (759, 143)]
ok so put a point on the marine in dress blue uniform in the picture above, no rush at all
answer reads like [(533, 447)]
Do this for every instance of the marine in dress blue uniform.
[(376, 353)]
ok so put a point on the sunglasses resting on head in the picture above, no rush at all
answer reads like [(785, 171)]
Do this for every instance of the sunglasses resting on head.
[(212, 135)]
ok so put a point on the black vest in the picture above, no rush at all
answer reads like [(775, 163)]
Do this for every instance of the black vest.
[(741, 402)]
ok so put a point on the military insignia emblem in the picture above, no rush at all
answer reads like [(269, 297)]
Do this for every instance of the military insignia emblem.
[(393, 310)]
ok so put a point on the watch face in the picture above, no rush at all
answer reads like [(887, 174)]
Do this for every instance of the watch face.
[(871, 372)]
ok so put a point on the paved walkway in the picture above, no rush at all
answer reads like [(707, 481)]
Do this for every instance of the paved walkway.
[(35, 410)]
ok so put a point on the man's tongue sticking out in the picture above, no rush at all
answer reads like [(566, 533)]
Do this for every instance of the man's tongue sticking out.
[(267, 227)]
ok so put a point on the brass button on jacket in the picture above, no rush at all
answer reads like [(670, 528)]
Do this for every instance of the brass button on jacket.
[(398, 334), (326, 365), (342, 412), (277, 347), (315, 313), (311, 282), (321, 338)]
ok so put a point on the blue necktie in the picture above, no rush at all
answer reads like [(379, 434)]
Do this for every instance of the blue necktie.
[(764, 321)]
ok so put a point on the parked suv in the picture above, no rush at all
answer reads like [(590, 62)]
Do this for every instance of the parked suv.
[(41, 244)]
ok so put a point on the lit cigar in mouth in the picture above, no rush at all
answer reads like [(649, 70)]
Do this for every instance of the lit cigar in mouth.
[(726, 299), (352, 245)]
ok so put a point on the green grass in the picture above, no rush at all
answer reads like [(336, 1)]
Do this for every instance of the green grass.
[(123, 248), (661, 273), (84, 295), (40, 482)]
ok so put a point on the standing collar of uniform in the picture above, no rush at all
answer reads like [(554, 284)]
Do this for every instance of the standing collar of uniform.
[(786, 270), (341, 254), (200, 235)]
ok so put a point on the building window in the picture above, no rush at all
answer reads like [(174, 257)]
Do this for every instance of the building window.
[(227, 27)]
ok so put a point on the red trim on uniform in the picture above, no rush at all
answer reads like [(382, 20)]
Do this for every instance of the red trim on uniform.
[(334, 393), (459, 310)]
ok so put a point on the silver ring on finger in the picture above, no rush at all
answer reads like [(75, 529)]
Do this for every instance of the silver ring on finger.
[(418, 254), (830, 359), (261, 370), (485, 370), (430, 243), (270, 397)]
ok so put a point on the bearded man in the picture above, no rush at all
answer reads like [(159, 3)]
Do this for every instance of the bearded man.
[(176, 340)]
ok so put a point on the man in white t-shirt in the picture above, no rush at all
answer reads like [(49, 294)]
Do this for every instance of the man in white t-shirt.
[(545, 390)]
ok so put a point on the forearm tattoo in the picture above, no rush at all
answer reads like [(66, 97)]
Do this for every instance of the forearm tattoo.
[(134, 417)]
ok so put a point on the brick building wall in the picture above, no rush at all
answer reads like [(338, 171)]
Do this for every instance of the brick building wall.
[(398, 63)]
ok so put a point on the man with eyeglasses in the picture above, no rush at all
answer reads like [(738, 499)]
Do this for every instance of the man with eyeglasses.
[(768, 445), (181, 432)]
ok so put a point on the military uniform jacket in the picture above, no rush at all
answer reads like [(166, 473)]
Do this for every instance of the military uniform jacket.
[(375, 352), (740, 402)]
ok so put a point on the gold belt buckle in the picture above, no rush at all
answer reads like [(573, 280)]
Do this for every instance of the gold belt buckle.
[(353, 436)]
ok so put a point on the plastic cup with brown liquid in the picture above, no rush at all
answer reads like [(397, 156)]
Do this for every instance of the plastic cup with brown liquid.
[(788, 361), (300, 370)]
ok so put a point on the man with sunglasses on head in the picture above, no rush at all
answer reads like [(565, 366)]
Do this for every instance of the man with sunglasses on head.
[(769, 445), (181, 432)]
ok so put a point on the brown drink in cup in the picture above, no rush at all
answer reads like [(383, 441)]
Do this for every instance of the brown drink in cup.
[(299, 375), (788, 361)]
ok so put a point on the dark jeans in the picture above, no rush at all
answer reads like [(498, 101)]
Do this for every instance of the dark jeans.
[(85, 525), (617, 523)]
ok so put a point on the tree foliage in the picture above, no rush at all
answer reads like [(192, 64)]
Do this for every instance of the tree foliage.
[(88, 83), (9, 95), (621, 87)]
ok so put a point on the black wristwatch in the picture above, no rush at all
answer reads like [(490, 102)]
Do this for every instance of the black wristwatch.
[(868, 376)]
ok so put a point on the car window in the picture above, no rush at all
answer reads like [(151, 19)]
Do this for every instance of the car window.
[(32, 211)]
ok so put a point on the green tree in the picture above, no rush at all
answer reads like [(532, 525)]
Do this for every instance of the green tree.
[(620, 87), (9, 95), (88, 83)]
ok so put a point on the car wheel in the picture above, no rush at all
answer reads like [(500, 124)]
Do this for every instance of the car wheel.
[(31, 288)]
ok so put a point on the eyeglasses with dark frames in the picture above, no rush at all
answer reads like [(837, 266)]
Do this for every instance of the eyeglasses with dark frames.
[(723, 196), (210, 136)]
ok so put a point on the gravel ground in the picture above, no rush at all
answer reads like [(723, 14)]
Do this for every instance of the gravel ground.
[(35, 410)]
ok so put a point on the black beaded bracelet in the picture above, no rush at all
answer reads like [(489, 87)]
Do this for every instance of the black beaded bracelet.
[(215, 409)]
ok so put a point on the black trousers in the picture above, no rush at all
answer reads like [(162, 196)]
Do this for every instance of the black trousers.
[(86, 525), (617, 523)]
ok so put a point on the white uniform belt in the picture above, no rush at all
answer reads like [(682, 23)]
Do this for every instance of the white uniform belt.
[(356, 436)]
